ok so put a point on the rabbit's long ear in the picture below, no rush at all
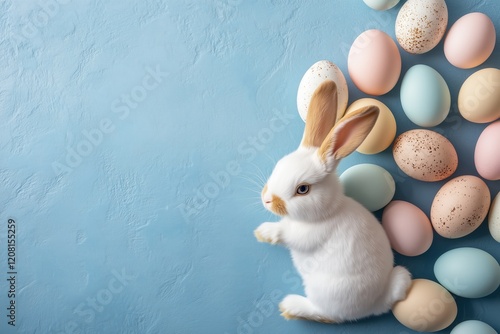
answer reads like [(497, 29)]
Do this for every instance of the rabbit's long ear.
[(321, 115), (348, 134)]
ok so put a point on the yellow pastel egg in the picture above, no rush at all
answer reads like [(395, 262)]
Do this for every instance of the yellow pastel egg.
[(479, 96), (428, 307), (384, 131)]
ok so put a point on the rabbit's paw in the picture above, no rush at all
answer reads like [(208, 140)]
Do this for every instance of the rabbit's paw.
[(299, 307), (268, 232), (401, 281)]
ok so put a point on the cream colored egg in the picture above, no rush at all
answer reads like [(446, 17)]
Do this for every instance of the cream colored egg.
[(384, 131), (428, 307), (318, 73), (479, 96), (494, 218), (421, 24), (460, 206), (425, 155)]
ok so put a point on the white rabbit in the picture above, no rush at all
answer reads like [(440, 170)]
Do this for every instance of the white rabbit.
[(338, 247)]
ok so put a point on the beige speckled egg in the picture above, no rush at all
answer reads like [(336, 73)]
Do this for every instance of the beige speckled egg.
[(494, 218), (421, 24), (425, 155), (384, 130), (460, 206), (316, 74), (428, 307)]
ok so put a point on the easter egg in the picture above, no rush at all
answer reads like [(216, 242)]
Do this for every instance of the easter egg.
[(473, 327), (494, 218), (425, 96), (369, 184), (421, 24), (486, 154), (381, 4), (428, 307), (479, 96), (408, 228), (468, 272), (460, 206), (318, 73), (374, 62), (425, 155), (384, 130), (470, 41)]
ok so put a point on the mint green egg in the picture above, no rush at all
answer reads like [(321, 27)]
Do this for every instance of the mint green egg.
[(425, 96), (369, 184), (468, 272), (473, 327)]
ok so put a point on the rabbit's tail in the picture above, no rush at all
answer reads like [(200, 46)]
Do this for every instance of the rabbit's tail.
[(397, 287)]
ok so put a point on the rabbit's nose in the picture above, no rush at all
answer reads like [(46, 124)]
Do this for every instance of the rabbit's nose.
[(267, 199)]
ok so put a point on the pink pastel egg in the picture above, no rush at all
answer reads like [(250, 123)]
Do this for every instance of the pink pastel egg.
[(470, 41), (374, 62), (486, 156), (408, 228)]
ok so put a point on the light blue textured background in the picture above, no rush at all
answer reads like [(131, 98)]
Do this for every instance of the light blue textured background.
[(131, 234)]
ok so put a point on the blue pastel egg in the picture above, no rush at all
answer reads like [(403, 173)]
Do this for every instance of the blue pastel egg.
[(425, 96), (468, 272), (473, 327), (369, 184)]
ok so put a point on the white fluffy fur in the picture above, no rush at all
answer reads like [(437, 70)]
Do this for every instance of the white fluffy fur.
[(338, 247)]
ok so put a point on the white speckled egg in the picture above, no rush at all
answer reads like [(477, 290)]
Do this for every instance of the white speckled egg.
[(421, 24), (369, 184), (479, 96), (494, 218), (384, 130), (425, 155), (468, 272), (473, 327), (460, 206), (425, 96), (428, 307), (381, 4), (315, 76)]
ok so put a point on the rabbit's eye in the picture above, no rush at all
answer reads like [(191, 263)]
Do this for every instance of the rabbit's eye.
[(303, 189)]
